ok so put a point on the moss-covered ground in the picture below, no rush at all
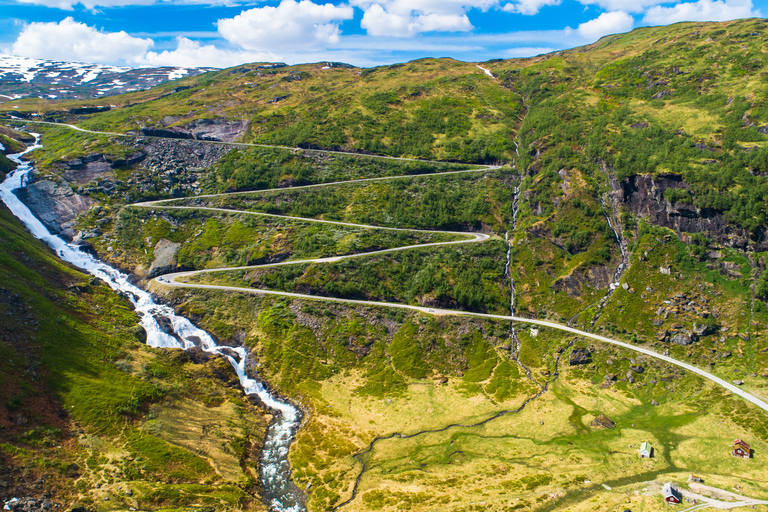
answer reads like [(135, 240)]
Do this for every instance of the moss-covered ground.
[(91, 415)]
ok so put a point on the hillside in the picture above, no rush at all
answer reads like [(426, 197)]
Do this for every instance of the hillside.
[(619, 189), (22, 77), (90, 415)]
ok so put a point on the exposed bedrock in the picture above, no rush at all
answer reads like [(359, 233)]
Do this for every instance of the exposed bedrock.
[(201, 129), (55, 204), (644, 195)]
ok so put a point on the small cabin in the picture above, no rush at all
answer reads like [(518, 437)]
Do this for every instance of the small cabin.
[(695, 479), (646, 450), (671, 494), (741, 449)]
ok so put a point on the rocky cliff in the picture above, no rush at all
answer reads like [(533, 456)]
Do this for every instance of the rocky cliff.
[(644, 196)]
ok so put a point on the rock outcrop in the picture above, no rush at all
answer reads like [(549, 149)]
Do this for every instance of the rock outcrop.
[(55, 204), (644, 195), (165, 252), (579, 356), (201, 129)]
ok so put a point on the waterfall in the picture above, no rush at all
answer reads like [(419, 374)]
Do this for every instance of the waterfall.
[(168, 330)]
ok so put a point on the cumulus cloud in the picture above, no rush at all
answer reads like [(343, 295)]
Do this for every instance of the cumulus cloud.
[(528, 7), (69, 40), (402, 18), (703, 10), (190, 53), (607, 23), (290, 25), (625, 5)]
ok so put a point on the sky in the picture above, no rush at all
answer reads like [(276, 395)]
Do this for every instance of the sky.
[(224, 33)]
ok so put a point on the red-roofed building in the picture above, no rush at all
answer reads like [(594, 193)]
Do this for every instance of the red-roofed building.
[(671, 494), (741, 449)]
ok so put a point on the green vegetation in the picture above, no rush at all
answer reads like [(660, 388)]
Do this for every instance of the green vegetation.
[(458, 202), (467, 277), (260, 168), (72, 365), (645, 148), (214, 239)]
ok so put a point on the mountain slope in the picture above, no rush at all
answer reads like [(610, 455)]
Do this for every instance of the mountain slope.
[(89, 415), (635, 207), (23, 77)]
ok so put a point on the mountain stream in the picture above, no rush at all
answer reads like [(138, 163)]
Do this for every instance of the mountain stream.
[(166, 329)]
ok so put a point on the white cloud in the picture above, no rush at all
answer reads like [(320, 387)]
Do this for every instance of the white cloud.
[(625, 5), (703, 10), (69, 40), (528, 7), (607, 23), (402, 18), (190, 53), (290, 25)]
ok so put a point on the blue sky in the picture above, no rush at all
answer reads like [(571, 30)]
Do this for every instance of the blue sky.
[(223, 33)]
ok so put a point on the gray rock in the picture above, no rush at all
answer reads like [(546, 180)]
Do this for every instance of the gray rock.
[(579, 356), (54, 204), (701, 330), (165, 254), (637, 369), (682, 339), (654, 402)]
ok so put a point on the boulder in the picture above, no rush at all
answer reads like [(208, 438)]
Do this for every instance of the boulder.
[(580, 356), (637, 369), (654, 402), (701, 330), (165, 256), (682, 339)]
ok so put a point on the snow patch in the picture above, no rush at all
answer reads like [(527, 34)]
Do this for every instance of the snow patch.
[(487, 71)]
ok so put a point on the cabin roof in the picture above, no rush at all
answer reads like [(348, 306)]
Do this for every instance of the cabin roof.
[(740, 443)]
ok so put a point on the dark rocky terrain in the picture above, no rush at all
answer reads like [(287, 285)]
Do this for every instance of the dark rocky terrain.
[(24, 77)]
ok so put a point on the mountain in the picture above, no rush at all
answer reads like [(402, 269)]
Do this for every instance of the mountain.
[(612, 197), (25, 77)]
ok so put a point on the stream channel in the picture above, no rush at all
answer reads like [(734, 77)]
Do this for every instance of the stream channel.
[(168, 330)]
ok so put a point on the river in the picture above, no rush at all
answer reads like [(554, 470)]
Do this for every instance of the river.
[(168, 330)]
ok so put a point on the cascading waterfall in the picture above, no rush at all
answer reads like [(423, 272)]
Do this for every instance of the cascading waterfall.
[(620, 269), (624, 256), (166, 329), (515, 351)]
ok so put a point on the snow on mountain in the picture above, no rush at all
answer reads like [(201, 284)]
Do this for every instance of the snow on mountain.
[(22, 77)]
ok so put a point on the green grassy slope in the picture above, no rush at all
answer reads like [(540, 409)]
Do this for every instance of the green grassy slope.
[(82, 396)]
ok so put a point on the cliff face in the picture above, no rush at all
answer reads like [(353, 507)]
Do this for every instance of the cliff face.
[(201, 129), (55, 204), (644, 196), (159, 167)]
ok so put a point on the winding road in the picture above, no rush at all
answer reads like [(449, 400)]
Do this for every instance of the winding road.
[(172, 279)]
